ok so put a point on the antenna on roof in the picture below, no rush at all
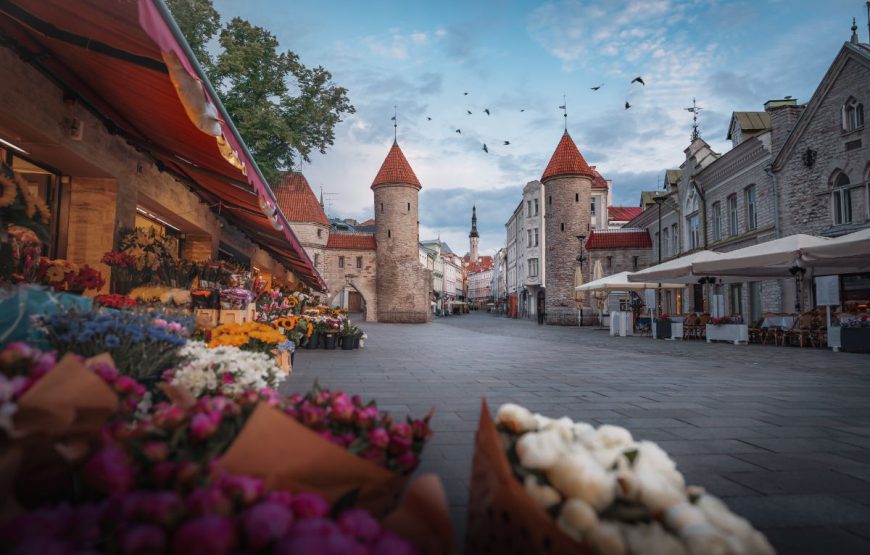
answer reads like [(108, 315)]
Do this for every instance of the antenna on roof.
[(695, 109), (395, 124), (564, 108)]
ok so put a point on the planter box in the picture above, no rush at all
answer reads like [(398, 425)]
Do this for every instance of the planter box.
[(238, 316), (855, 340), (662, 329), (210, 314), (675, 333), (621, 323), (733, 333)]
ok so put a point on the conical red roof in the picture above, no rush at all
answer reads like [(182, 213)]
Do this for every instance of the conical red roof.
[(566, 160), (297, 201), (396, 169)]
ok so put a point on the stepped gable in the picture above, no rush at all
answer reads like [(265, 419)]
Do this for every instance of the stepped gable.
[(567, 160), (297, 201), (396, 169)]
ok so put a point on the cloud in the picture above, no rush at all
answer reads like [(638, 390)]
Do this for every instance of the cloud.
[(395, 45)]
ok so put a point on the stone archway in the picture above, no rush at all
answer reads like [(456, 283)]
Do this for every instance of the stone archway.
[(366, 298)]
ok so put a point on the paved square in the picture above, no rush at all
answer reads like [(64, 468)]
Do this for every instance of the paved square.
[(781, 433)]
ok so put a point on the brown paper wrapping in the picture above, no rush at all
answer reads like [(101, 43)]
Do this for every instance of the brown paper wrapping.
[(502, 518), (287, 455), (423, 517)]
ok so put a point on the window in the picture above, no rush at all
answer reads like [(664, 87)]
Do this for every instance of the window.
[(409, 207), (536, 237), (550, 200), (536, 207), (382, 208), (528, 209), (853, 115), (634, 263), (717, 221), (576, 197), (694, 223), (562, 226), (842, 201), (592, 206), (359, 261), (529, 233), (676, 239), (732, 215), (533, 267), (389, 234), (666, 235), (341, 262), (751, 208), (316, 260)]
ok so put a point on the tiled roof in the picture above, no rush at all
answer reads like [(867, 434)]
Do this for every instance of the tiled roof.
[(297, 200), (368, 222), (618, 239), (396, 169), (351, 241), (598, 181), (483, 263), (623, 213), (566, 160)]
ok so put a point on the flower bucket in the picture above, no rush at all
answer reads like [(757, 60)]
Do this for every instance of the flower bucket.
[(346, 342), (356, 342), (313, 341), (330, 340)]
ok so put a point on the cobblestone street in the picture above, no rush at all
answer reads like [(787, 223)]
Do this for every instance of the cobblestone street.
[(781, 433)]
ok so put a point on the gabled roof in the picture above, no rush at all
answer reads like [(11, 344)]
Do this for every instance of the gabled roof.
[(396, 170), (859, 52), (672, 177), (566, 160), (351, 241), (750, 123), (297, 200), (623, 213), (624, 238), (598, 181)]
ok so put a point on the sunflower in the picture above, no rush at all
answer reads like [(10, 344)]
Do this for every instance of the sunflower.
[(292, 302), (8, 191), (55, 274)]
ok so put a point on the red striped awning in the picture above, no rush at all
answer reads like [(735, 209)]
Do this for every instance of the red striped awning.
[(126, 61)]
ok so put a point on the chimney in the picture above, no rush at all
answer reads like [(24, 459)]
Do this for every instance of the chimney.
[(783, 113)]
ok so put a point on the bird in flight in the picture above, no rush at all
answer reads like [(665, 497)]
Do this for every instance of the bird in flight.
[(469, 112), (522, 110), (596, 87), (507, 143), (486, 150), (428, 118), (627, 105), (486, 111), (638, 79), (465, 93), (459, 131)]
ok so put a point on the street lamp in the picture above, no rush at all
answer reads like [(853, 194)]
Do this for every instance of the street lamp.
[(659, 200), (580, 260)]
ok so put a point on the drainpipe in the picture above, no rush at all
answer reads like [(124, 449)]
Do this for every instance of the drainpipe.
[(769, 171)]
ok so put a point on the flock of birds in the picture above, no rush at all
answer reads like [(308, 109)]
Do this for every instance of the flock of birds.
[(486, 111)]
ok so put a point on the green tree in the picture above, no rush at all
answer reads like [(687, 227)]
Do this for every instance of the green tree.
[(283, 109)]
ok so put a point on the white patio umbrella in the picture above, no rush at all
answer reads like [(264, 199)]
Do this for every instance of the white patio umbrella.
[(847, 251), (676, 270), (770, 259), (620, 282)]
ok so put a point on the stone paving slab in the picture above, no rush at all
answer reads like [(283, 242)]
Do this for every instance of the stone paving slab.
[(781, 433)]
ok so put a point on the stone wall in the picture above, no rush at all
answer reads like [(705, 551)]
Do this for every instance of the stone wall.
[(567, 202), (364, 279), (402, 286)]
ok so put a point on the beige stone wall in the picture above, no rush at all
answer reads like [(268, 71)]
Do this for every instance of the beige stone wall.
[(568, 201), (364, 279), (402, 285), (109, 178)]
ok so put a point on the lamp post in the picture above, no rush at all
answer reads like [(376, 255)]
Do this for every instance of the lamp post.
[(580, 259), (659, 200)]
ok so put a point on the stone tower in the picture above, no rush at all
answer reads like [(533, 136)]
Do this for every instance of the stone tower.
[(568, 191), (473, 237), (403, 284)]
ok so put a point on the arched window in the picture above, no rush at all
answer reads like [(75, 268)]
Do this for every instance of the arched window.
[(841, 201), (853, 115)]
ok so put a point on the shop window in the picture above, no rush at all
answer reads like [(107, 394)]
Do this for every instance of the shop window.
[(842, 200), (341, 262), (359, 262)]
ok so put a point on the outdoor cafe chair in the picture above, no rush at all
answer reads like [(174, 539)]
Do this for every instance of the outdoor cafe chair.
[(701, 329), (803, 330), (689, 326)]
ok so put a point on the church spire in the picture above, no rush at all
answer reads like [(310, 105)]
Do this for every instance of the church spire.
[(473, 222)]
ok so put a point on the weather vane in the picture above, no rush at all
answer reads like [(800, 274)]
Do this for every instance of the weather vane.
[(395, 124), (695, 109), (564, 108)]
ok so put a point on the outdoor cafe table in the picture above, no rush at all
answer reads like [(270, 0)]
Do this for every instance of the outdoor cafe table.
[(785, 322)]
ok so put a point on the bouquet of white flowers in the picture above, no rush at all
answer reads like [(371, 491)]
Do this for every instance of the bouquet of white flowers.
[(224, 370), (568, 483)]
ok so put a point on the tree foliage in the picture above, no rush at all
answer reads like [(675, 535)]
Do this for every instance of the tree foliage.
[(283, 109)]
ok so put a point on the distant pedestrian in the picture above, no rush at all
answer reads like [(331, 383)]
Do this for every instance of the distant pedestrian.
[(540, 317)]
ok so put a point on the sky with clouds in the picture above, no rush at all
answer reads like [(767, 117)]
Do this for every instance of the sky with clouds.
[(517, 59)]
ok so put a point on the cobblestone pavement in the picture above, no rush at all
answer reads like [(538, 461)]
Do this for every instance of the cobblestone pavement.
[(781, 433)]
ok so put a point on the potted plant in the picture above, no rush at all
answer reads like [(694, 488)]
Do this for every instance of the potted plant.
[(330, 340), (855, 334), (663, 327), (348, 332)]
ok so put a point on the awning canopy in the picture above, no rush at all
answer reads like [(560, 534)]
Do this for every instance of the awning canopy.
[(620, 282), (850, 252), (678, 269), (770, 259), (128, 63)]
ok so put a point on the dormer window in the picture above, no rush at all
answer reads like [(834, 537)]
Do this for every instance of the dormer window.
[(853, 115)]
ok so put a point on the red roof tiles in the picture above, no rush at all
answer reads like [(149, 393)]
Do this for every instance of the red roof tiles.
[(566, 160), (623, 213), (598, 181), (351, 241), (396, 169), (483, 263), (618, 239), (297, 201)]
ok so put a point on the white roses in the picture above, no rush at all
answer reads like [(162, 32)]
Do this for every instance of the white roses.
[(225, 370), (620, 495)]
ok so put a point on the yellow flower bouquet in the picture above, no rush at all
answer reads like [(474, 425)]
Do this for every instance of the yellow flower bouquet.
[(248, 336)]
